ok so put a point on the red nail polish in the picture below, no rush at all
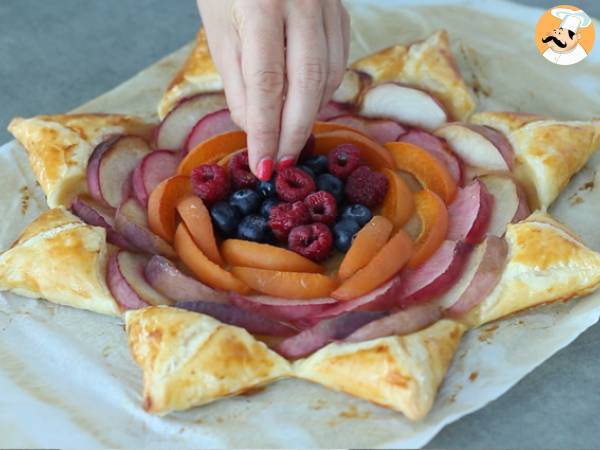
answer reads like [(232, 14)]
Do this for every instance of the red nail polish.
[(286, 162), (265, 169)]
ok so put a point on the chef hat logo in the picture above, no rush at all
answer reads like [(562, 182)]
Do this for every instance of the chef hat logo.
[(565, 35)]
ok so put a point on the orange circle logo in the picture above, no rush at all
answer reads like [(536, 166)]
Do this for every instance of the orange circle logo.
[(565, 35)]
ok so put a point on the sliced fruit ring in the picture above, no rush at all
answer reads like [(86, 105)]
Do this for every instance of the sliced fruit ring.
[(197, 219), (424, 167), (162, 205), (203, 268), (374, 154), (264, 256), (298, 285), (433, 215), (212, 150), (398, 204)]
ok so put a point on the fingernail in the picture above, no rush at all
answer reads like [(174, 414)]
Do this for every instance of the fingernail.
[(265, 169), (286, 162)]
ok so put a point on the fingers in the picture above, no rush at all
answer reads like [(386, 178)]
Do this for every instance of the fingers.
[(336, 45), (261, 32), (346, 34), (307, 67), (229, 65)]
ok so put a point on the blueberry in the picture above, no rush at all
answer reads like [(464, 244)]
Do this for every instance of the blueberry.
[(267, 188), (308, 170), (331, 184), (265, 209), (318, 164), (343, 233), (246, 200), (359, 213), (253, 228), (225, 218)]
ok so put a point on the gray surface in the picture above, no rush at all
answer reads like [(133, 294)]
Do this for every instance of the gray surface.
[(55, 55)]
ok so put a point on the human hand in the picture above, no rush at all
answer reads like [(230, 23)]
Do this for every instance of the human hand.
[(281, 61)]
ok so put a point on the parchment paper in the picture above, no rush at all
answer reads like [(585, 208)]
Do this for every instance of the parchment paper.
[(66, 377)]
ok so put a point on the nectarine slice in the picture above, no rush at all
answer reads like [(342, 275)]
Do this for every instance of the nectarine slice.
[(203, 268), (430, 172), (398, 204), (326, 127), (433, 215), (264, 256), (162, 205), (388, 261), (197, 219), (365, 246), (212, 150), (297, 285), (375, 155)]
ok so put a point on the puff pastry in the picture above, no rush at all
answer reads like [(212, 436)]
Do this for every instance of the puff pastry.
[(399, 372), (546, 263), (428, 65), (59, 147), (189, 359), (60, 259), (547, 152), (197, 75)]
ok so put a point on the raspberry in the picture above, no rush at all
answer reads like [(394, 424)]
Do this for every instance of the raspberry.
[(210, 182), (311, 241), (322, 207), (366, 187), (239, 169), (293, 184), (343, 160), (286, 216)]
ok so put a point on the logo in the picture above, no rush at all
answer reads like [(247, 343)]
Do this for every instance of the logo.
[(565, 35)]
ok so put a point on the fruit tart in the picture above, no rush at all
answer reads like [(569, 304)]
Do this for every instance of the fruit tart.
[(404, 222)]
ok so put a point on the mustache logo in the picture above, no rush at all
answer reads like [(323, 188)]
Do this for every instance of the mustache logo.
[(555, 40)]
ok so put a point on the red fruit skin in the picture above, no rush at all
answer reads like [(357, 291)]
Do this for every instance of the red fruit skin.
[(286, 216), (322, 207), (311, 241), (293, 184), (366, 187), (210, 182), (241, 175), (343, 160)]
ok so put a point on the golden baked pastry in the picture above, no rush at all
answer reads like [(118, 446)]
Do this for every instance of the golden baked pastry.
[(426, 64), (190, 359), (547, 152), (399, 372), (60, 146), (60, 259)]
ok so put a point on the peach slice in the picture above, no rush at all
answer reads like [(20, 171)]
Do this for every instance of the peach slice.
[(197, 219), (162, 205), (327, 127), (365, 246), (398, 204), (375, 155), (203, 268), (388, 261), (433, 215), (430, 172), (264, 256), (299, 285), (212, 150)]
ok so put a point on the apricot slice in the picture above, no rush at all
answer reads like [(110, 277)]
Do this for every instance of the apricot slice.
[(326, 127), (365, 246), (433, 215), (430, 172), (212, 150), (375, 155), (162, 205), (197, 219), (203, 268), (300, 285), (398, 204), (388, 261), (264, 256)]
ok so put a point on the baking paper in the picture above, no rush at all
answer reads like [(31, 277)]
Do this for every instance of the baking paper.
[(66, 376)]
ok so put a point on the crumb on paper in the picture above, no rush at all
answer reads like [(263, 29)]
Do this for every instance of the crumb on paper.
[(319, 404), (473, 376), (353, 413), (25, 197), (576, 200), (487, 332)]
